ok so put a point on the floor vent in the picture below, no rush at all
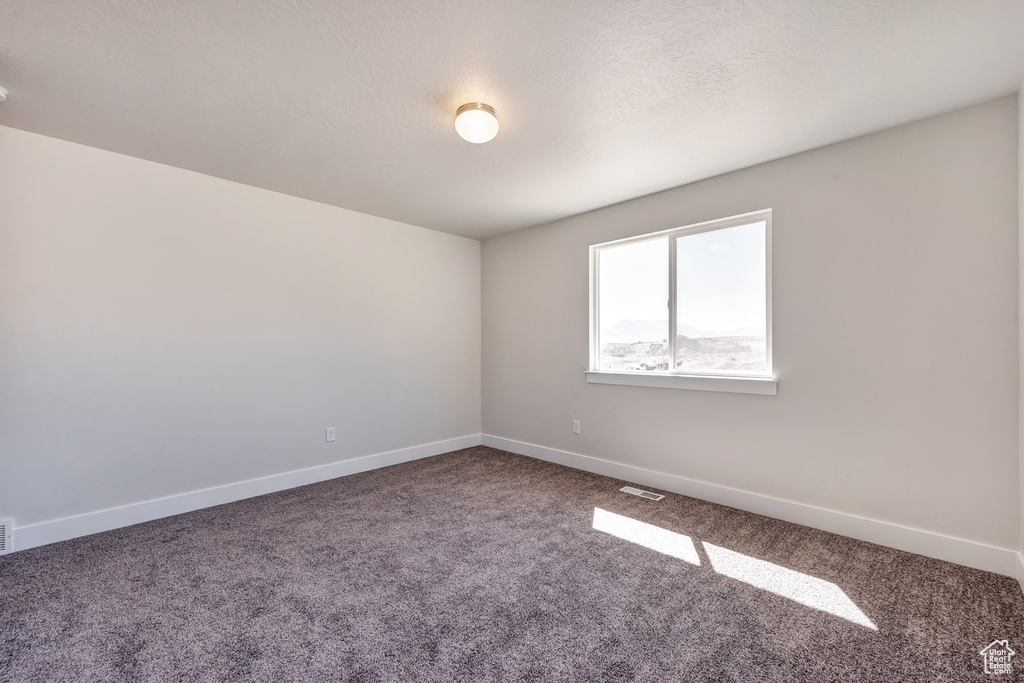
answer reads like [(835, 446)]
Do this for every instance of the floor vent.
[(6, 527), (643, 494)]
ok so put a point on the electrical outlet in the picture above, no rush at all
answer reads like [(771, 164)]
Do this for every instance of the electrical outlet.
[(575, 426), (331, 434)]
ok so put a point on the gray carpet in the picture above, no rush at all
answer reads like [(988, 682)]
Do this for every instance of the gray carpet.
[(481, 565)]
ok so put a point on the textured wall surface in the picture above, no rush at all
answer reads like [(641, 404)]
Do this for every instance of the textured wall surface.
[(895, 333), (351, 102), (162, 331)]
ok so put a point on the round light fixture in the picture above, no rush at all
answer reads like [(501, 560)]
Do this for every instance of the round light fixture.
[(476, 122)]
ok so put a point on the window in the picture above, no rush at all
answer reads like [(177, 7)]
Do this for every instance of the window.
[(709, 284)]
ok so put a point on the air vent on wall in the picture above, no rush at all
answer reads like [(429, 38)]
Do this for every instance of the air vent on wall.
[(6, 528), (643, 494)]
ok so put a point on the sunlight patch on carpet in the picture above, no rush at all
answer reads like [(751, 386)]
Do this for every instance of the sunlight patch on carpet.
[(801, 588), (807, 590), (647, 535)]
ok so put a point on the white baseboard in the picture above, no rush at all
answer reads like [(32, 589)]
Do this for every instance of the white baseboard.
[(34, 535), (957, 550), (968, 553)]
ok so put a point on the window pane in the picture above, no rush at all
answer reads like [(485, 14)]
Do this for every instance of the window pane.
[(633, 306), (721, 301)]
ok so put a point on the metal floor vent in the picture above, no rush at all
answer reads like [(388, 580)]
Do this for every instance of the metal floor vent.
[(643, 494), (6, 527)]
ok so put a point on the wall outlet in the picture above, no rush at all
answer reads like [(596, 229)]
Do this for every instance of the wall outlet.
[(575, 426), (331, 434)]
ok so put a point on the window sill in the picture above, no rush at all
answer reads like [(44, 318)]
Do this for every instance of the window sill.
[(737, 385)]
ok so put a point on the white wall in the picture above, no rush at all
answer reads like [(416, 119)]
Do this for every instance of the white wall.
[(895, 320), (163, 331), (1020, 303)]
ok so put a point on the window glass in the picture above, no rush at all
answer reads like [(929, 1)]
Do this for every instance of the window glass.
[(721, 301), (708, 283), (633, 306)]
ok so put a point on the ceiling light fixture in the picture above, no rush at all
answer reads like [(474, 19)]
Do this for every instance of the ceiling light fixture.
[(3, 95), (476, 122)]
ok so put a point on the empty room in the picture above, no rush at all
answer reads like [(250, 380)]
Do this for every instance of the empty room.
[(511, 341)]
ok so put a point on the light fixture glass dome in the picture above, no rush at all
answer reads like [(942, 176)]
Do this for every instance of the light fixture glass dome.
[(476, 122)]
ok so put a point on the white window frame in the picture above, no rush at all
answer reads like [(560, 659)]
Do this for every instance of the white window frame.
[(745, 383)]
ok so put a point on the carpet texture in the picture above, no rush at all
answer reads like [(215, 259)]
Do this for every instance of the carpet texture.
[(480, 565)]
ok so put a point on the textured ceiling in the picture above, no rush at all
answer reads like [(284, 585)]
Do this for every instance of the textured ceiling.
[(352, 103)]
